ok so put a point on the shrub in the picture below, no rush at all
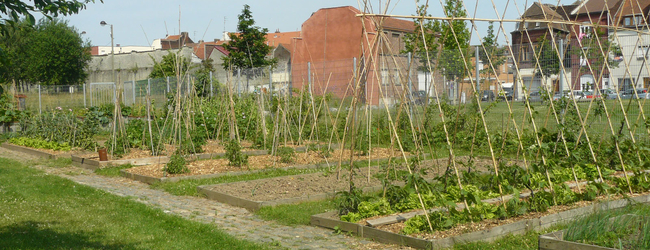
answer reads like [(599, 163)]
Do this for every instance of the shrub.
[(234, 154), (176, 164)]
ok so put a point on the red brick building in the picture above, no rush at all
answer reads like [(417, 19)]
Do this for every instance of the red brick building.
[(332, 38)]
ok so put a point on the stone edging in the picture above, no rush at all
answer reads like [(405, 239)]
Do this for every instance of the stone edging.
[(330, 220), (34, 152)]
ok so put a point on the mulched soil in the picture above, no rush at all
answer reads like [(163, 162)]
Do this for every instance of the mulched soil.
[(211, 147), (215, 166)]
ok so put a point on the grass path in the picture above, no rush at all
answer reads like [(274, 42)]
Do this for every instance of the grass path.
[(43, 211)]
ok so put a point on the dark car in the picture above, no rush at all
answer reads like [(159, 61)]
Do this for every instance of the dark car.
[(535, 96), (506, 94), (487, 95), (419, 97)]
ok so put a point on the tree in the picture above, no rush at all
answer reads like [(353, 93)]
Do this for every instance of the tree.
[(172, 64), (452, 40), (49, 53), (248, 48), (12, 52), (14, 9), (548, 57), (490, 52), (57, 54)]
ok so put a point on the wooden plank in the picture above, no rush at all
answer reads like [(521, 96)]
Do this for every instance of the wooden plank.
[(229, 199), (30, 151), (327, 220), (554, 241)]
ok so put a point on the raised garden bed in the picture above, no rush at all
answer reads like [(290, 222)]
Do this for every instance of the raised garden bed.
[(526, 224), (300, 188), (212, 168), (555, 241), (43, 153), (138, 157)]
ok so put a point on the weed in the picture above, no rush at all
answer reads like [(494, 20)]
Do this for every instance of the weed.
[(287, 154)]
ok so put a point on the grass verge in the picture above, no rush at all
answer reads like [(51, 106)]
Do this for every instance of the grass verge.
[(528, 241), (626, 228), (112, 171), (295, 214), (41, 211), (189, 187)]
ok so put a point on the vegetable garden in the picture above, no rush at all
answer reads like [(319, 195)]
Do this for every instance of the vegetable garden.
[(450, 165)]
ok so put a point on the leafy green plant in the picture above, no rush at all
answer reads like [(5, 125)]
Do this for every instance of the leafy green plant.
[(348, 201), (235, 155), (286, 154), (40, 143), (176, 165)]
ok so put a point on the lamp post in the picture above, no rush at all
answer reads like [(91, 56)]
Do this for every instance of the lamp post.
[(103, 23)]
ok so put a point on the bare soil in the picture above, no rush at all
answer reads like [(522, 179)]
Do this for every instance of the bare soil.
[(319, 183)]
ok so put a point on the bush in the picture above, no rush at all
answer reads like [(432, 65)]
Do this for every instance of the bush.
[(176, 164), (234, 154), (286, 154)]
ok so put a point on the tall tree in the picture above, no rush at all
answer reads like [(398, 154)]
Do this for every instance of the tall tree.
[(451, 43), (247, 49), (49, 53), (15, 9), (549, 61), (490, 52), (57, 54)]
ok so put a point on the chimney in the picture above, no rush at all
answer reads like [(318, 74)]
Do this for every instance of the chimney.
[(277, 31), (216, 40)]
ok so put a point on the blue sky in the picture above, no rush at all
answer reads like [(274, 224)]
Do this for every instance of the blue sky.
[(138, 22)]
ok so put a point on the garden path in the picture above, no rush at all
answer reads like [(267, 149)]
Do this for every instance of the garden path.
[(236, 221)]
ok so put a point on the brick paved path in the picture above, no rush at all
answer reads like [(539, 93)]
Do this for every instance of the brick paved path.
[(236, 221)]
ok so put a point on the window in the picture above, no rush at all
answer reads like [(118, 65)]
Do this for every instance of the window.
[(585, 29), (395, 35), (638, 20), (525, 53), (642, 52)]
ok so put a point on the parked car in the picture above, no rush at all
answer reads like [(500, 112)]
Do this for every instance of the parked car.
[(535, 96), (487, 95), (577, 94), (419, 97), (506, 94), (591, 94), (608, 93), (627, 94), (643, 95)]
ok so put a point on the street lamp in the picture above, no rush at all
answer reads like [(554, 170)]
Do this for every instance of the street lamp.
[(103, 23)]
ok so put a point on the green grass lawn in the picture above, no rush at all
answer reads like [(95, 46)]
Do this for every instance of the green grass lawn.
[(42, 211), (296, 214)]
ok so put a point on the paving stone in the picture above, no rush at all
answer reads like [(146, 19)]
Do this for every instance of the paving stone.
[(233, 220)]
